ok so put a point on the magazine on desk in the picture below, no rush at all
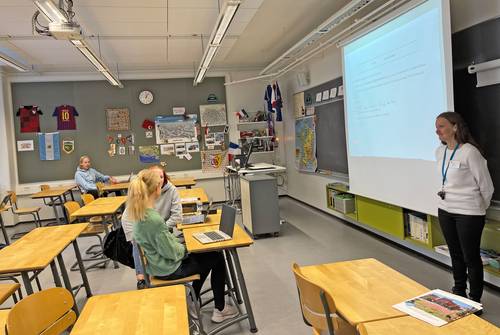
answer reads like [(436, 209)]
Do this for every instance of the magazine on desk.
[(438, 307)]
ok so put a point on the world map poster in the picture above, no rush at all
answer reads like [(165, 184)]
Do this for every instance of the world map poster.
[(305, 144)]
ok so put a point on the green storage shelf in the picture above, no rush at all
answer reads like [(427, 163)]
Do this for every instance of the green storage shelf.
[(381, 216)]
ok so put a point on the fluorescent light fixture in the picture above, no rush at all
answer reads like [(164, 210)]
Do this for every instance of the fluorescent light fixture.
[(337, 18), (87, 51), (51, 11), (13, 63), (224, 19)]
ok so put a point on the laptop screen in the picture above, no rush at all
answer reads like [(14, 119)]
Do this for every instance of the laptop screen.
[(227, 219)]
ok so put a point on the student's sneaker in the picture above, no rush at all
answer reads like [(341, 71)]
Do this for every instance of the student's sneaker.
[(141, 284), (228, 312)]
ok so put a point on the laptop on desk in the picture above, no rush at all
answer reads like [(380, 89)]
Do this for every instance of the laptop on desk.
[(226, 228)]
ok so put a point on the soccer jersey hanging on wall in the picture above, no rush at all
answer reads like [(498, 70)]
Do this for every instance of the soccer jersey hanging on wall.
[(65, 117), (30, 122)]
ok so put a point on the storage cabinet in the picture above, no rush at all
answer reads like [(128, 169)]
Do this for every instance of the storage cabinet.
[(259, 204)]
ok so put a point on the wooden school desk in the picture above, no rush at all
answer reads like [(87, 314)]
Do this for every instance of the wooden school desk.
[(7, 290), (196, 192), (102, 206), (240, 239), (183, 182), (2, 224), (365, 289), (407, 325), (118, 187), (159, 311), (38, 249), (56, 195)]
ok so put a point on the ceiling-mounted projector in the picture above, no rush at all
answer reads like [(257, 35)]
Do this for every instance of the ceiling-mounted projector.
[(65, 30)]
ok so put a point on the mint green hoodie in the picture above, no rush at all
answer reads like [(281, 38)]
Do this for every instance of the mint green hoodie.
[(163, 251)]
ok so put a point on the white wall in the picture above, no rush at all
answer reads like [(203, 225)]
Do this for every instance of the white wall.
[(466, 13), (307, 187)]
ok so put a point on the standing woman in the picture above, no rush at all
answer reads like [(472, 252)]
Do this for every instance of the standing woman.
[(464, 196), (167, 257)]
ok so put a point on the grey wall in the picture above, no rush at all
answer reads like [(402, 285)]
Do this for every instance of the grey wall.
[(90, 98)]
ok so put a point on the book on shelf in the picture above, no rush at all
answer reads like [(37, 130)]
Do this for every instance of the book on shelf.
[(419, 228), (438, 307), (488, 257)]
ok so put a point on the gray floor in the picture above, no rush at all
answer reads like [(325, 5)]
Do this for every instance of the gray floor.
[(308, 237)]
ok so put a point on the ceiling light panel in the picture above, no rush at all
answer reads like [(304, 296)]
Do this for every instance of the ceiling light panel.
[(51, 11)]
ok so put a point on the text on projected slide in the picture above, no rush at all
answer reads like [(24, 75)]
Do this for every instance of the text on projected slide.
[(395, 87)]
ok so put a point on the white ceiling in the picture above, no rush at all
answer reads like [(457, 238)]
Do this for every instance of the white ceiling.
[(167, 34), (163, 34)]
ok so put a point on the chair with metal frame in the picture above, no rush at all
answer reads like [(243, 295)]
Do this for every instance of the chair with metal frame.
[(20, 211), (318, 307), (45, 312), (186, 281), (93, 230)]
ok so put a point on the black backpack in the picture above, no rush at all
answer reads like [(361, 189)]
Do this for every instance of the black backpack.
[(117, 248)]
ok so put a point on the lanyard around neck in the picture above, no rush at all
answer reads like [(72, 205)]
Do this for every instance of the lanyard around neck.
[(443, 171)]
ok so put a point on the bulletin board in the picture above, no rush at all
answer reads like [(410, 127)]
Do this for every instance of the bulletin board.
[(91, 99)]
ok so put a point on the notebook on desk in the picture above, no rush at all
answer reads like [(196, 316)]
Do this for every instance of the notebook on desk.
[(226, 227), (260, 166)]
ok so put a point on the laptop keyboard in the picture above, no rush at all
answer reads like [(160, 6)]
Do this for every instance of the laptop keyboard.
[(214, 236)]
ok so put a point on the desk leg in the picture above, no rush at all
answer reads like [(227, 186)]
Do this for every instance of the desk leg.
[(233, 277), (116, 225), (27, 282), (55, 274), (82, 269), (244, 292), (61, 201), (4, 231), (66, 281), (54, 208)]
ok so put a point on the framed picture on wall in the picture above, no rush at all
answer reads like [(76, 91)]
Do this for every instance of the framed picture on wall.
[(117, 119)]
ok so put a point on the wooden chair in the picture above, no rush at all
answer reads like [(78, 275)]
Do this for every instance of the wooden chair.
[(48, 312), (20, 211), (93, 230), (186, 281), (318, 307), (100, 186)]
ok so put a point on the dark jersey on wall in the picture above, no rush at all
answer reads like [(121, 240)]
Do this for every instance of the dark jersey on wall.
[(30, 122), (65, 117)]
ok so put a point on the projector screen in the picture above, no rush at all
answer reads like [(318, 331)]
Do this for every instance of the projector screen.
[(398, 78)]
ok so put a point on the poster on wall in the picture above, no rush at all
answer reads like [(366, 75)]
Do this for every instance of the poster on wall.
[(26, 145), (49, 147), (117, 119), (149, 154), (213, 115), (305, 144), (175, 129), (167, 149), (213, 160)]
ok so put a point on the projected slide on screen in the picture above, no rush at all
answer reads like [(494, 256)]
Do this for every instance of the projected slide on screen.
[(395, 86)]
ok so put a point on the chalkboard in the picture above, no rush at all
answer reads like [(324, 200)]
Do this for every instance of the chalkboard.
[(91, 98), (479, 105), (331, 149)]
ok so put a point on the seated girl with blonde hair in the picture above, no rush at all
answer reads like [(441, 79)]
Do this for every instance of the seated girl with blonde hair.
[(167, 257), (168, 205)]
